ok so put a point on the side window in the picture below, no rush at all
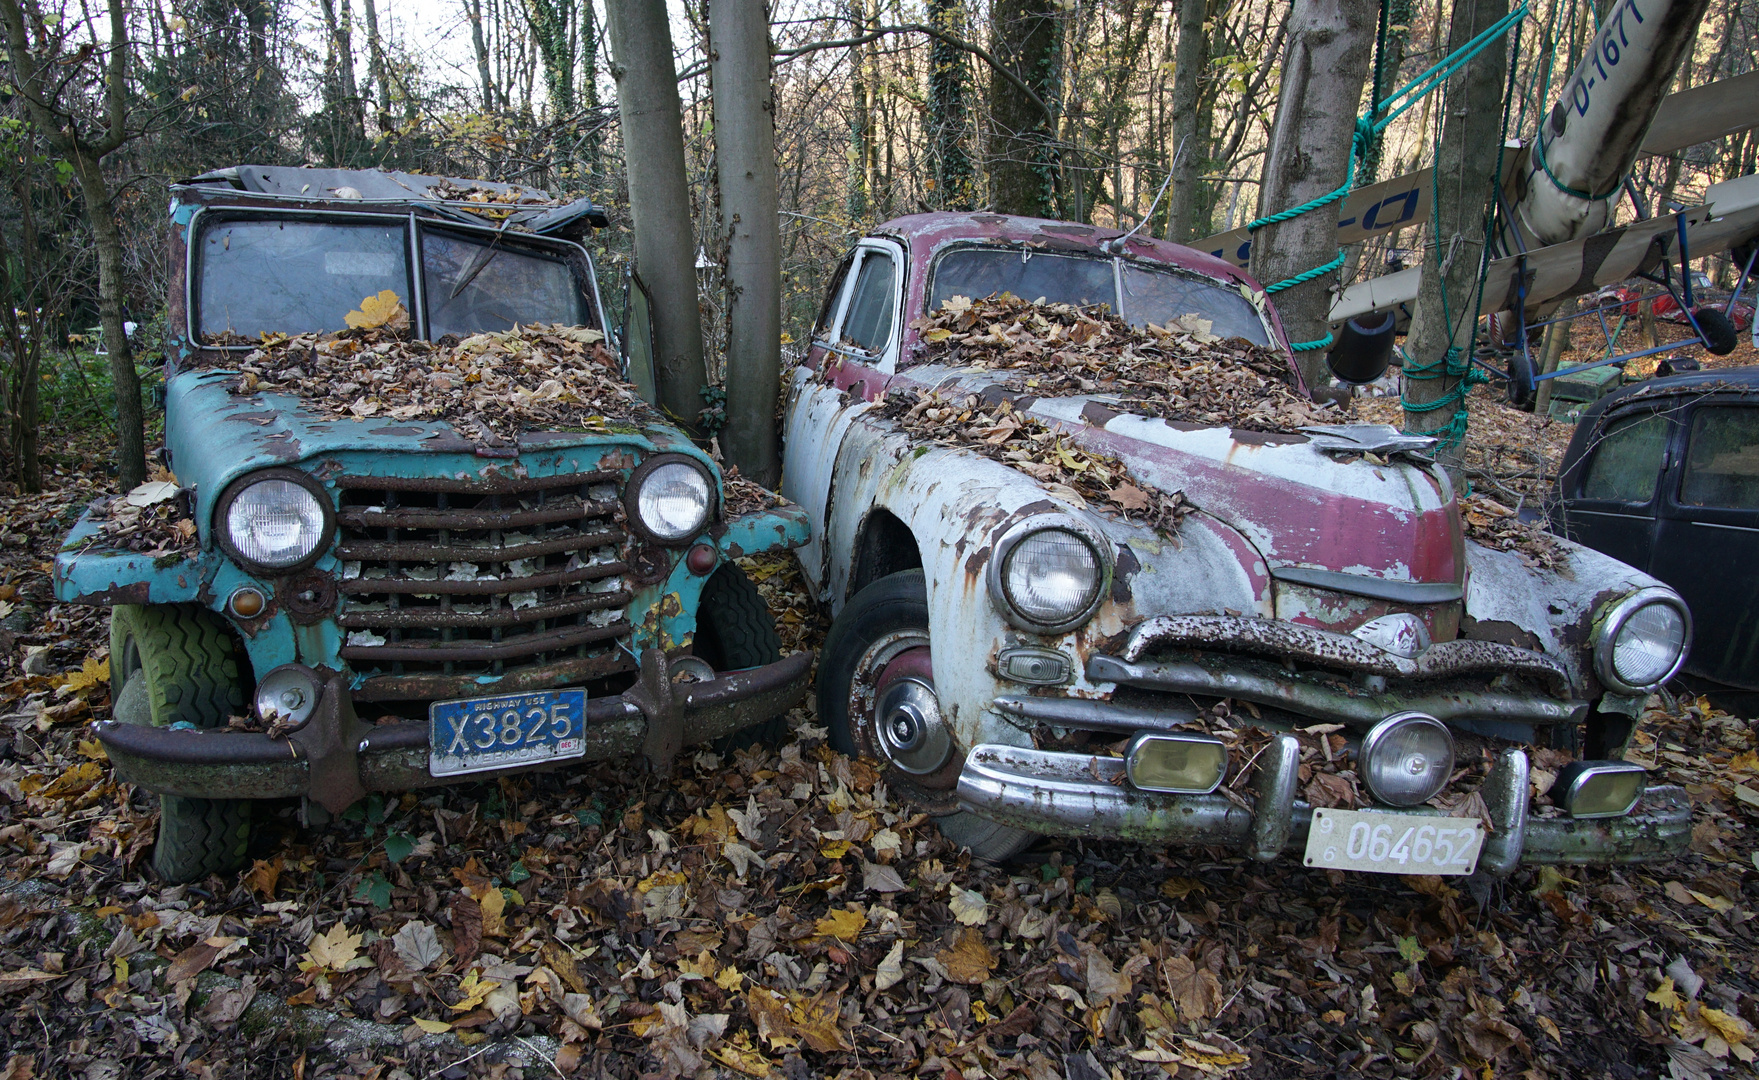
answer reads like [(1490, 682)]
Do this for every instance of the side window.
[(1627, 461), (833, 293), (868, 324), (1722, 461)]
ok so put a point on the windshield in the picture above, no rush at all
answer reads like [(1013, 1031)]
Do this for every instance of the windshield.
[(294, 276), (1150, 295), (290, 277), (472, 286)]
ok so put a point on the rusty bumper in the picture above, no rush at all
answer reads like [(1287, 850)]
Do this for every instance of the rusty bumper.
[(1078, 795), (335, 759)]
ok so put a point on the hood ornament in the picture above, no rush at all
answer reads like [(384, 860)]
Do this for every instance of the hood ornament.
[(1380, 439)]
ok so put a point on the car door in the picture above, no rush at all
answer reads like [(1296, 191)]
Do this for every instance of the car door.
[(855, 346), (1707, 538), (1610, 495)]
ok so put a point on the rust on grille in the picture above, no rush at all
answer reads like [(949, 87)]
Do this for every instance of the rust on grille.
[(469, 585)]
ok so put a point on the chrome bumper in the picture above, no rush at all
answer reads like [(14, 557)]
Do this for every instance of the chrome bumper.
[(1078, 795)]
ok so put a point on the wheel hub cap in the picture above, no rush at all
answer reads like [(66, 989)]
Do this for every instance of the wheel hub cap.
[(912, 735)]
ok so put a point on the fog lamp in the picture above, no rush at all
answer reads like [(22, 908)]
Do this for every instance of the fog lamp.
[(1407, 758), (288, 694), (1181, 763), (1597, 789)]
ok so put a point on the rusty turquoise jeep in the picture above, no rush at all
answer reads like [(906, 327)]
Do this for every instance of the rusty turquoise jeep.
[(323, 611)]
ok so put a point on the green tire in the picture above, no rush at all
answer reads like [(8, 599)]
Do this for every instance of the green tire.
[(734, 629), (180, 663)]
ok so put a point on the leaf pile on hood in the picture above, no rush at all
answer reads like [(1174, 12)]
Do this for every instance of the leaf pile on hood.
[(742, 496), (490, 386), (1178, 372), (1495, 526), (1002, 433), (153, 519)]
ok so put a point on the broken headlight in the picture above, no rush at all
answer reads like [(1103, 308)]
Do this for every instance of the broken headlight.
[(1641, 641), (1048, 574)]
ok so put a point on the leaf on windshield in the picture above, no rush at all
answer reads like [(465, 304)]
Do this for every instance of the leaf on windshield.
[(385, 309)]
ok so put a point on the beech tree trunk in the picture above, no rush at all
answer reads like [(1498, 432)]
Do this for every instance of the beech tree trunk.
[(1465, 162), (745, 159), (659, 198), (1022, 166), (1330, 45), (1190, 59)]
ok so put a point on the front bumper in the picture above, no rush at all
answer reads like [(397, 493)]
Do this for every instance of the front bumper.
[(335, 758), (1079, 795)]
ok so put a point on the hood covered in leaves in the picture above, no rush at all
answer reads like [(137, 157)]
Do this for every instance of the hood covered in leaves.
[(408, 407), (1149, 423)]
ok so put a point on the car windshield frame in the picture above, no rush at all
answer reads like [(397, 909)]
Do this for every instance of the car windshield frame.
[(1118, 264), (413, 224)]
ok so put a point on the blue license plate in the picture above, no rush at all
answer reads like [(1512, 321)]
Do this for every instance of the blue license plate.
[(487, 733)]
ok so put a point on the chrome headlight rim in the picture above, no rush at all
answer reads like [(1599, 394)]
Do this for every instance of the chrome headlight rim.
[(632, 499), (1380, 732), (1614, 620), (1010, 538), (223, 508)]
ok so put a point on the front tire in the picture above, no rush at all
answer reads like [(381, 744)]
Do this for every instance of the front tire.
[(172, 664), (879, 639), (734, 629)]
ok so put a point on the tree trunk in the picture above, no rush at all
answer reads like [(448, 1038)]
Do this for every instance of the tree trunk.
[(745, 159), (947, 110), (1326, 61), (659, 198), (1557, 342), (131, 456), (1443, 327), (474, 10), (1022, 165), (375, 66), (1190, 58)]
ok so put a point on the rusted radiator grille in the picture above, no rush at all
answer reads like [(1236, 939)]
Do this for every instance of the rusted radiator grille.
[(453, 578)]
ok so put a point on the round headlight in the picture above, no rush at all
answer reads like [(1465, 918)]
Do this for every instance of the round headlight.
[(1048, 577), (672, 500), (1407, 759), (274, 523), (1642, 641)]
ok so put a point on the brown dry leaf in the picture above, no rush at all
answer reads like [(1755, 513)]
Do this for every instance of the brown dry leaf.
[(769, 1014), (467, 927), (1196, 990), (818, 1021), (970, 960), (263, 876)]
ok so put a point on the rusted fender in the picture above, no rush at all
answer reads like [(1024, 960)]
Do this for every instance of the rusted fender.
[(88, 573), (780, 528)]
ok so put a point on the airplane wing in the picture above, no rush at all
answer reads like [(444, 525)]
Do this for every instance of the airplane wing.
[(1729, 217), (1367, 211), (1704, 113)]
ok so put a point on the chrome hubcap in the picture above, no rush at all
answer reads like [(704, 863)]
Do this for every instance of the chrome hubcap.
[(912, 735)]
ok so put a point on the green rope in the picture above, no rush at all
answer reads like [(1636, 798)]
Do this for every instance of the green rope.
[(1368, 128), (1454, 364)]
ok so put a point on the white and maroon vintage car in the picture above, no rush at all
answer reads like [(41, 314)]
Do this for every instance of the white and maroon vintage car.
[(1027, 664)]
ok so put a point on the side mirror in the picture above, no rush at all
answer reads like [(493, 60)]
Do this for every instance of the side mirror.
[(636, 341)]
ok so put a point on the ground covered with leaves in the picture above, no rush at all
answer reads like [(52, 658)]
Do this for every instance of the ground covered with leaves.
[(779, 913)]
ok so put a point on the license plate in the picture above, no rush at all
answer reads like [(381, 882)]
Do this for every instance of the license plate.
[(1393, 843), (487, 733)]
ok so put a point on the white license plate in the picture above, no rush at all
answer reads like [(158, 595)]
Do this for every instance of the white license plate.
[(1393, 843), (488, 733)]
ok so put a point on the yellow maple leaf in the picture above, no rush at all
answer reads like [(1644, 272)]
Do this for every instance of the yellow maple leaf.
[(1665, 996), (334, 950), (93, 673), (836, 849), (433, 1027), (729, 978), (385, 309), (494, 904), (842, 924), (1732, 1028)]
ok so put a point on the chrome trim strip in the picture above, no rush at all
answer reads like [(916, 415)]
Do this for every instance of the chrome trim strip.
[(1399, 592), (1087, 714)]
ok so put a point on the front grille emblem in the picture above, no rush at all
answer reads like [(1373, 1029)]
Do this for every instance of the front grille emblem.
[(1401, 634)]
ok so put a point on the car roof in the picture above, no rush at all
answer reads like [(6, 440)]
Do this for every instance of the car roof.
[(934, 229), (1734, 380)]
